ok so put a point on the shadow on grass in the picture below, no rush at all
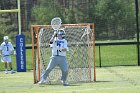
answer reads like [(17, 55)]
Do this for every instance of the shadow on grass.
[(45, 85), (102, 81), (71, 84), (53, 84)]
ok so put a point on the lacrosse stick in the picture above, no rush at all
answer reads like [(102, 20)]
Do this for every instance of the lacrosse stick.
[(56, 24)]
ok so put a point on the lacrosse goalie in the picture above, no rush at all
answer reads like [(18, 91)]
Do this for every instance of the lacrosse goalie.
[(58, 43), (6, 50)]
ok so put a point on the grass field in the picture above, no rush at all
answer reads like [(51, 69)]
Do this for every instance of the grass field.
[(120, 79), (110, 56), (117, 79)]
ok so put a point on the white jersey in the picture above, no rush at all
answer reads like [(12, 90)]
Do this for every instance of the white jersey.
[(6, 48), (59, 44)]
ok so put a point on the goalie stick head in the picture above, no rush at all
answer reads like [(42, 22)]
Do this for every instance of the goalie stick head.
[(56, 23)]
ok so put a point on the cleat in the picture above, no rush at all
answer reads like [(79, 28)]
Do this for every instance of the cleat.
[(6, 71), (43, 81), (12, 71), (64, 83)]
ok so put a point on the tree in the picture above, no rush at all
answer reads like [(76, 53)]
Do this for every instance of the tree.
[(113, 17)]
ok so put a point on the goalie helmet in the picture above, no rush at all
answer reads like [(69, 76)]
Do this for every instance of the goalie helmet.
[(5, 38), (61, 33)]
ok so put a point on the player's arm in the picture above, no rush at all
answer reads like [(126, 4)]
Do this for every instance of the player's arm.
[(65, 48), (53, 37), (12, 49)]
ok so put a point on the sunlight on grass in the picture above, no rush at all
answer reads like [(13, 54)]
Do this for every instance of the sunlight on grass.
[(121, 79)]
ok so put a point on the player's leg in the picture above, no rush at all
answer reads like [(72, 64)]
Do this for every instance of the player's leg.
[(64, 68), (9, 60), (5, 66), (49, 68), (3, 59), (10, 65), (51, 65)]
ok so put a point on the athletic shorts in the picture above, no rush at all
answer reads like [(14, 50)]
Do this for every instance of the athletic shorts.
[(6, 59)]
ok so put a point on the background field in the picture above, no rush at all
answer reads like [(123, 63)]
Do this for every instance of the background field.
[(111, 78), (118, 79), (110, 56)]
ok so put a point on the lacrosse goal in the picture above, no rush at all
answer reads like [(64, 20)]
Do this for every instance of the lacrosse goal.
[(81, 54)]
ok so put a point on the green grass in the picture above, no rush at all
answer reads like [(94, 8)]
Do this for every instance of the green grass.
[(120, 79), (110, 56), (29, 65), (117, 55)]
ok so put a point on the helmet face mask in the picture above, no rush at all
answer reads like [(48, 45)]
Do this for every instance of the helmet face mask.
[(61, 34)]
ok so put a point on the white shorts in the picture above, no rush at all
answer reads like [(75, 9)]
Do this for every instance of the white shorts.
[(6, 59)]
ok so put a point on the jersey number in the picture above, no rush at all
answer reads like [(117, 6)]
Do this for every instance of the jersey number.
[(7, 48)]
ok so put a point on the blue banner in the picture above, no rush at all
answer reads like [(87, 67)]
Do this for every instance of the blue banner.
[(20, 53)]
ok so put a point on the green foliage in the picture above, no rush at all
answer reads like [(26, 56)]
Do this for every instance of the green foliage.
[(113, 19), (117, 19), (7, 29), (28, 37), (43, 14), (2, 31), (70, 16)]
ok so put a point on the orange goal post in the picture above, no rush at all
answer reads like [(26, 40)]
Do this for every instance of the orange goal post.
[(81, 54)]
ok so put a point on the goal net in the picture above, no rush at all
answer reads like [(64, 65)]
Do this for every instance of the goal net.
[(80, 57)]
